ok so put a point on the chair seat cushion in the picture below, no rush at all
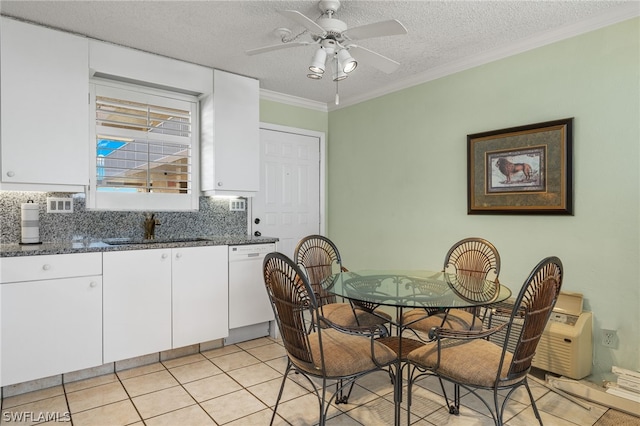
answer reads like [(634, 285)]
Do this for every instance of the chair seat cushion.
[(342, 314), (455, 319), (344, 354), (473, 362)]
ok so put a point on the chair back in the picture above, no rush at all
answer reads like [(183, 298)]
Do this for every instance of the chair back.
[(318, 256), (472, 263), (291, 297), (532, 308)]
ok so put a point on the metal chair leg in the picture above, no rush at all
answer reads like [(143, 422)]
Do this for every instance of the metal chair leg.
[(456, 398), (455, 407), (533, 402), (284, 378), (341, 398)]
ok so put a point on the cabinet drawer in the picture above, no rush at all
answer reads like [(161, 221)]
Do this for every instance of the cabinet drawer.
[(47, 267)]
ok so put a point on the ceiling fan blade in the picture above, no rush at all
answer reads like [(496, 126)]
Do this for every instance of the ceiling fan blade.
[(374, 59), (305, 22), (377, 29), (276, 47)]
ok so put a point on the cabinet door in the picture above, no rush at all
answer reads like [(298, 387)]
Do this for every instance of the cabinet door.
[(137, 303), (44, 105), (50, 327), (231, 157), (200, 294)]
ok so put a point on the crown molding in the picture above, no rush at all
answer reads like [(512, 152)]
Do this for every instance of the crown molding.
[(269, 95)]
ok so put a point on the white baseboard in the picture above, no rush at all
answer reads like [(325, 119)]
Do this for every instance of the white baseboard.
[(592, 392)]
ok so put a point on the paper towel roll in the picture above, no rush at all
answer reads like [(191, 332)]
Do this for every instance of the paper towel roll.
[(30, 223)]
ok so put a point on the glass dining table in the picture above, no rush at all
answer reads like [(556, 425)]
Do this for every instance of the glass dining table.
[(399, 290)]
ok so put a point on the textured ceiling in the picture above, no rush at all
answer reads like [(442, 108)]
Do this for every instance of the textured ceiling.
[(443, 36)]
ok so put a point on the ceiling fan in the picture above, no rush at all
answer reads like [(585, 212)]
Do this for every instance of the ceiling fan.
[(335, 42)]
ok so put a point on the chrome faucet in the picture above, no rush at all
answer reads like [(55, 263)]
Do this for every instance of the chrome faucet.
[(150, 223)]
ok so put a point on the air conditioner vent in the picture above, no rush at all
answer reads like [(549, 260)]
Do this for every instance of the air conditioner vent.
[(566, 345)]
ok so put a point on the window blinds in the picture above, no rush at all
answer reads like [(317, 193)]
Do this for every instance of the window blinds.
[(143, 142)]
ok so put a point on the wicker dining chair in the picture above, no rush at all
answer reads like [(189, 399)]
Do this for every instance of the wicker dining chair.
[(319, 258), (469, 360), (325, 353), (472, 263)]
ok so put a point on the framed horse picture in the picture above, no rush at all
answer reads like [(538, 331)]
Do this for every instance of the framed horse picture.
[(521, 170)]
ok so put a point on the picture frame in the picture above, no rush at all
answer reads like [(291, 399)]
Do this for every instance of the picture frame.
[(521, 170)]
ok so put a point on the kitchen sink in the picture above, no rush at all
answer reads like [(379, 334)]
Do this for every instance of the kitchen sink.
[(130, 241)]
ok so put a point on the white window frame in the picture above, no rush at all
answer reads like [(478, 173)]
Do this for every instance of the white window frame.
[(144, 201)]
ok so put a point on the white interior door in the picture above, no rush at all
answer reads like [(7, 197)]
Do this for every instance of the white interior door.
[(288, 204)]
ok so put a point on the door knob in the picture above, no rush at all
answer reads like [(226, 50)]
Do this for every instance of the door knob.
[(257, 233), (256, 220)]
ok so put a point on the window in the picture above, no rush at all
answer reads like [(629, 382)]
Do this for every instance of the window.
[(144, 149)]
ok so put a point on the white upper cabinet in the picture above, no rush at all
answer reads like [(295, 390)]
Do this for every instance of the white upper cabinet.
[(230, 136), (44, 105)]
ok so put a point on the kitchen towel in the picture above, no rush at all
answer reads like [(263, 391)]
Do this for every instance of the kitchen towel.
[(30, 222)]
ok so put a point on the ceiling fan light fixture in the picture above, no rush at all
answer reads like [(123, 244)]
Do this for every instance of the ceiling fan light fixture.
[(339, 76), (333, 39), (347, 63), (317, 63)]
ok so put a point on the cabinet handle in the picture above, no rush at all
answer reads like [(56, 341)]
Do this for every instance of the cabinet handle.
[(46, 267), (164, 255), (92, 284), (220, 183), (178, 255), (10, 174)]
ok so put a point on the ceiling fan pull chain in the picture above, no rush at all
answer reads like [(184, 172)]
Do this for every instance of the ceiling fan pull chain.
[(337, 96)]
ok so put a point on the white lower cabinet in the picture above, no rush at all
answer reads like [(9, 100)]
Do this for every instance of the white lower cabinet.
[(63, 313), (159, 299), (51, 315), (136, 303), (199, 294)]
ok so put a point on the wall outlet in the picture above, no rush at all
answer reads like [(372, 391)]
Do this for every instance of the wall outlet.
[(59, 205), (609, 338), (238, 205)]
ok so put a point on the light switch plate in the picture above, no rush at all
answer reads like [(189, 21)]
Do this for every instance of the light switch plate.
[(238, 205), (59, 205)]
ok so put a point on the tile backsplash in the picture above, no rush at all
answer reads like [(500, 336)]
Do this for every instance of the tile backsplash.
[(213, 219)]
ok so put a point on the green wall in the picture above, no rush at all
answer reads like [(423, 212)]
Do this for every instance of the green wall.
[(287, 115), (397, 173)]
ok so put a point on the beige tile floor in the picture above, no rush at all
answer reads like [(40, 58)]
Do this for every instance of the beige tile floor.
[(238, 385)]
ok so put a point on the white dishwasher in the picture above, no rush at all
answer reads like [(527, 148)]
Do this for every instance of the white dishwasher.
[(250, 312)]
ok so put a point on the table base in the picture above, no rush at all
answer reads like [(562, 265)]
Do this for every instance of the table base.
[(396, 344)]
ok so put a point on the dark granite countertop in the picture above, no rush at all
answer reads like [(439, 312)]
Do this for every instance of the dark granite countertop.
[(97, 245)]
